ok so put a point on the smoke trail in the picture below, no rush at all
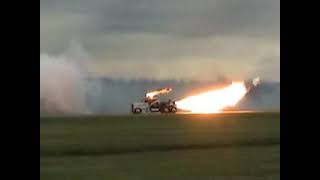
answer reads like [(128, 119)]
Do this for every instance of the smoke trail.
[(64, 83), (62, 86)]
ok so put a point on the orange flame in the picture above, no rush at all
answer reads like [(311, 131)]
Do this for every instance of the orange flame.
[(158, 92), (214, 101)]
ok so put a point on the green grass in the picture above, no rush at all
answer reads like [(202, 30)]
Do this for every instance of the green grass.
[(224, 146)]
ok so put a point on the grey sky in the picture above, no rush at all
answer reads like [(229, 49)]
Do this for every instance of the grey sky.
[(161, 39)]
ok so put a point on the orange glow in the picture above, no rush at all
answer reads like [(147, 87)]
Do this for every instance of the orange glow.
[(158, 92), (214, 101)]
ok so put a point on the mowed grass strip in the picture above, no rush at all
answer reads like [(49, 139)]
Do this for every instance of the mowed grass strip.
[(108, 135), (237, 163)]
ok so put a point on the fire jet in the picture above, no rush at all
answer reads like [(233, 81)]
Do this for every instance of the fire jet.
[(217, 100)]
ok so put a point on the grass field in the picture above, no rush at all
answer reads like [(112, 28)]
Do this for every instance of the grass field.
[(158, 147)]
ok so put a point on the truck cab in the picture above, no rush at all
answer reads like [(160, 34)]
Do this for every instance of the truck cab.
[(153, 104), (156, 106)]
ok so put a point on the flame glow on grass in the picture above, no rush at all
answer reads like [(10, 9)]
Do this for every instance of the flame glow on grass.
[(214, 101)]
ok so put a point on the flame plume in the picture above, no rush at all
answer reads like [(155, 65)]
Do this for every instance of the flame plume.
[(214, 101)]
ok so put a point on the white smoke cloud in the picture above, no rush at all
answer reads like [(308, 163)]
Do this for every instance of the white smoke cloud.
[(64, 82)]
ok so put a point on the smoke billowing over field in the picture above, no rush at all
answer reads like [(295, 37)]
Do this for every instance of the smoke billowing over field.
[(73, 92), (64, 84), (67, 86)]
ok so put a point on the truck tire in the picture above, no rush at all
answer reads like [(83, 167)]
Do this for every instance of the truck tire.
[(137, 111), (173, 110), (165, 110)]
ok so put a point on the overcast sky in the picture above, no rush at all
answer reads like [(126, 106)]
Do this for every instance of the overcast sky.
[(167, 39)]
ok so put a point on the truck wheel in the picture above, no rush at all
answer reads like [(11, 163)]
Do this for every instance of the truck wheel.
[(165, 110), (137, 111), (173, 110)]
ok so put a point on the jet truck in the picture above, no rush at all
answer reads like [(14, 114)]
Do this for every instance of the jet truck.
[(151, 103)]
